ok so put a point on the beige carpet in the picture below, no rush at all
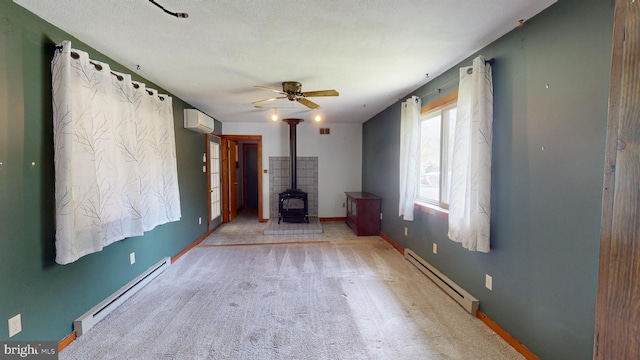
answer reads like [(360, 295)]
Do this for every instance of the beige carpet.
[(320, 300), (245, 229)]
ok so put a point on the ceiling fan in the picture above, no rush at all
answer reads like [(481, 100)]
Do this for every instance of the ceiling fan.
[(292, 90)]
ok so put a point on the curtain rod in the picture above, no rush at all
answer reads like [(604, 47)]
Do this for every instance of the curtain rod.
[(120, 78), (439, 89), (98, 67)]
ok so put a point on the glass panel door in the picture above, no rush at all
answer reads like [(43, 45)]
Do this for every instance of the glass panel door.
[(215, 191)]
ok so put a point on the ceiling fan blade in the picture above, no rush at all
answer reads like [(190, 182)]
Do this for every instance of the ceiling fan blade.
[(270, 89), (308, 103), (268, 100), (320, 93)]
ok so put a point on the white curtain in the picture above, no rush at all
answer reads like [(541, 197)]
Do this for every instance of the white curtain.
[(409, 155), (470, 199), (115, 160)]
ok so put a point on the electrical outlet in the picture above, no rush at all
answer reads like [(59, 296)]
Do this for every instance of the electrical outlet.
[(15, 325), (132, 258), (342, 204), (406, 231), (200, 220), (435, 248), (488, 282)]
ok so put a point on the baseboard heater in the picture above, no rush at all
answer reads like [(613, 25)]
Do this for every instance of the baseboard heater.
[(465, 299), (85, 322)]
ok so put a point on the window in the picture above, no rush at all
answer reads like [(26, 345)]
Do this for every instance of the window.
[(437, 125)]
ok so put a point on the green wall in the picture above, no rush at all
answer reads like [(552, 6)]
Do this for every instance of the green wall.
[(50, 296), (545, 227)]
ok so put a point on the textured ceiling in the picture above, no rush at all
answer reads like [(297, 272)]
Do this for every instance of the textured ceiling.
[(372, 52)]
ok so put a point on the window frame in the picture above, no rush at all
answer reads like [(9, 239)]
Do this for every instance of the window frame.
[(440, 210)]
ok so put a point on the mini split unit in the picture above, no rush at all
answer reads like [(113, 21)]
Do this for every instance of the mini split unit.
[(198, 121)]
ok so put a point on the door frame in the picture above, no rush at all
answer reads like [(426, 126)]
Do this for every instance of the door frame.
[(617, 313), (225, 172)]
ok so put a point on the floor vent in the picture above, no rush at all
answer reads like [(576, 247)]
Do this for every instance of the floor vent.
[(85, 322), (465, 299)]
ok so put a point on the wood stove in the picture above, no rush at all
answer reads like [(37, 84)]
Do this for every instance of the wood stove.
[(293, 204)]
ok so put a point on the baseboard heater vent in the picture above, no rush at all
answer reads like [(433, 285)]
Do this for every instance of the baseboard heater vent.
[(465, 299), (85, 322)]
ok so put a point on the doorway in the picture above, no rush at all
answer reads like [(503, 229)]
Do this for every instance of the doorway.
[(250, 175), (241, 157)]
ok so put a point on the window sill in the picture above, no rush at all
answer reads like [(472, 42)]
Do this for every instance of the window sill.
[(431, 209)]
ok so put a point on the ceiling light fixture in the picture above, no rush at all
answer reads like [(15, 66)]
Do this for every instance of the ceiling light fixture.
[(274, 117), (178, 15), (317, 117)]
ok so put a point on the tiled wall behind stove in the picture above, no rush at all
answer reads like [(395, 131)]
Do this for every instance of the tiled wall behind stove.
[(307, 169)]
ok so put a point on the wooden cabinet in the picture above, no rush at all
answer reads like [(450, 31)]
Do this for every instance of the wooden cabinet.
[(363, 213)]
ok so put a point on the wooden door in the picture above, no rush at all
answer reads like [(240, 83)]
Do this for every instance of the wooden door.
[(233, 180), (617, 331)]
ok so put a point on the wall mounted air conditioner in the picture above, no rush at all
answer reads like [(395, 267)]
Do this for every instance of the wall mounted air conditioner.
[(198, 121)]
